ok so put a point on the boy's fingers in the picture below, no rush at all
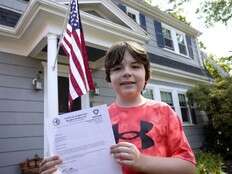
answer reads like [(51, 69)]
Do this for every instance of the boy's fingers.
[(125, 144), (120, 149), (50, 159), (122, 145), (126, 162), (49, 164), (49, 171), (123, 156)]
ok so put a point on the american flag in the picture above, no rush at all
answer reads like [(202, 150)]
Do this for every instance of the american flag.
[(73, 42)]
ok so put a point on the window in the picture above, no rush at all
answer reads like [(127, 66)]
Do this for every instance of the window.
[(183, 108), (168, 42), (133, 14), (174, 40), (181, 43), (148, 93), (9, 17), (174, 97), (193, 109), (167, 98)]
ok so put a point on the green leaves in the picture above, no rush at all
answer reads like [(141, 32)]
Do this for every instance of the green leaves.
[(211, 11), (179, 17), (225, 63), (216, 11), (216, 100), (208, 163)]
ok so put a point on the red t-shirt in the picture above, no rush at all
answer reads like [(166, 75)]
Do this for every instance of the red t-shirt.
[(153, 127)]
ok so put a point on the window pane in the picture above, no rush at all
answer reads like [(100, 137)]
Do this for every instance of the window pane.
[(193, 115), (132, 16), (166, 33), (181, 43), (184, 113), (180, 38), (148, 93), (182, 100), (182, 49), (168, 42), (167, 98), (183, 107)]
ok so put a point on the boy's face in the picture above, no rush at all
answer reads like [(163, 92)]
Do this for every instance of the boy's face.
[(128, 78)]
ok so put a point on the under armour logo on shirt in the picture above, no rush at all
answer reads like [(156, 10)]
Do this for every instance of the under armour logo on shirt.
[(145, 127)]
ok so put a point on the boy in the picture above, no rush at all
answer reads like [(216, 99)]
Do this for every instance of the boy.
[(149, 136)]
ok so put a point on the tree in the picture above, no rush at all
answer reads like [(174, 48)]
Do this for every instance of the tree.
[(179, 17), (224, 65), (216, 11), (148, 1), (216, 100), (211, 11)]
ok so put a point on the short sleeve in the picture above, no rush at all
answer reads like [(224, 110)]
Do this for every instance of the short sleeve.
[(178, 145)]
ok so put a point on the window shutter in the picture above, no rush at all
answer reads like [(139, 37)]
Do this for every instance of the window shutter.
[(142, 21), (122, 7), (159, 34), (189, 45)]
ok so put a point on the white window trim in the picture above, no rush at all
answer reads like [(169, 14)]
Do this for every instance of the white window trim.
[(64, 2), (133, 11), (175, 91), (174, 39)]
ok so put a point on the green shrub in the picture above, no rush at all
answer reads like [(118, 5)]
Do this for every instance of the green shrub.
[(208, 163), (216, 100)]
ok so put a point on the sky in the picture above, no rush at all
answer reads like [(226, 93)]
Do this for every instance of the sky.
[(217, 39)]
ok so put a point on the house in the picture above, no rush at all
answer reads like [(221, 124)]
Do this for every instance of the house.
[(30, 91)]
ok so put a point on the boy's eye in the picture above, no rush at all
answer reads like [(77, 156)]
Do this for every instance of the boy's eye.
[(116, 68), (136, 66)]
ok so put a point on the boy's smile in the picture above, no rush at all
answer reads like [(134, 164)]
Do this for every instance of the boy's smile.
[(128, 78), (127, 83)]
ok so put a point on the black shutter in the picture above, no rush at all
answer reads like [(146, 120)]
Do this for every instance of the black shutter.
[(122, 7), (142, 21), (159, 34), (189, 45)]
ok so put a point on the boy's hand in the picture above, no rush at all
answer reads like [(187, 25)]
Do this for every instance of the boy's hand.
[(126, 154), (49, 165)]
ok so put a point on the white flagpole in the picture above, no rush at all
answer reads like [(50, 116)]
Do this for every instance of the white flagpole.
[(62, 35)]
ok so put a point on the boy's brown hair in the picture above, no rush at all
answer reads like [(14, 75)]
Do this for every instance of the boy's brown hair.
[(115, 55)]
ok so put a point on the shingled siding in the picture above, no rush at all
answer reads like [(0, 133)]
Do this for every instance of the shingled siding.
[(21, 112)]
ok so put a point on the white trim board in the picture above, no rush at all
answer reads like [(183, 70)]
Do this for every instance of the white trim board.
[(31, 29)]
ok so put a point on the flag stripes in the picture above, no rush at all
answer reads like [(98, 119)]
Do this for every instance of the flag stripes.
[(80, 79)]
